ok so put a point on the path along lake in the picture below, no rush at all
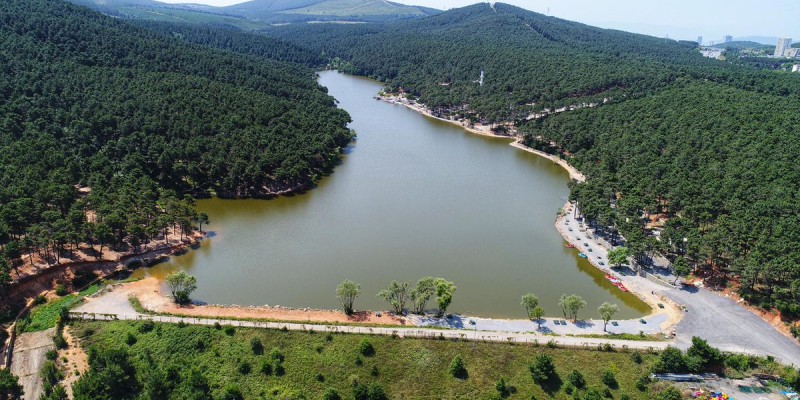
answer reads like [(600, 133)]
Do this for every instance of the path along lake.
[(413, 197)]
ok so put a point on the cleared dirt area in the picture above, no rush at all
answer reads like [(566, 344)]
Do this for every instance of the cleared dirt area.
[(151, 297), (29, 355), (72, 361)]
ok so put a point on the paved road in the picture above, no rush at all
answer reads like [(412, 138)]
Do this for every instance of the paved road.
[(29, 355), (403, 332), (717, 319)]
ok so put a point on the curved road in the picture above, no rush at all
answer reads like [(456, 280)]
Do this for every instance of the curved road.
[(717, 319)]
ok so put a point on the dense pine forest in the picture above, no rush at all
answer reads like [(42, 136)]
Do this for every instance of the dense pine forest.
[(108, 130), (704, 147)]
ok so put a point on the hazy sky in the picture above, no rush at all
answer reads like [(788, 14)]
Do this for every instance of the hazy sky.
[(680, 19)]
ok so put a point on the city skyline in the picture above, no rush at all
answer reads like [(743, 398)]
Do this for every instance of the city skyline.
[(679, 19)]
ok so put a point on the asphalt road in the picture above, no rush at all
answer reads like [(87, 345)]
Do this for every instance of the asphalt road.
[(715, 318)]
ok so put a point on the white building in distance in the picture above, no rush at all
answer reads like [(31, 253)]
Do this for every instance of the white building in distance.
[(782, 45), (796, 68)]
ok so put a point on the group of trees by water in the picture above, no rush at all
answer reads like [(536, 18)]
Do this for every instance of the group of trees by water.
[(108, 130), (398, 294), (705, 145)]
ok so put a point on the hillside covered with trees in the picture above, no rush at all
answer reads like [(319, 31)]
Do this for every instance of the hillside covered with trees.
[(707, 146), (105, 127)]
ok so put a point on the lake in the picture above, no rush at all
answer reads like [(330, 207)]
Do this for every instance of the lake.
[(413, 197)]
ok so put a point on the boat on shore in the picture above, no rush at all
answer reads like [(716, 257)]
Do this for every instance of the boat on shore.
[(569, 245), (581, 255)]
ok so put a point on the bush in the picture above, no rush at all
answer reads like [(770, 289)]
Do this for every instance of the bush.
[(593, 394), (229, 330), (501, 387), (359, 361), (277, 368), (232, 393), (576, 379), (266, 367), (374, 371), (61, 290), (329, 338), (365, 348), (671, 360), (319, 377), (331, 394), (543, 370), (40, 299), (276, 354), (637, 357), (609, 379), (130, 339), (244, 368), (256, 346), (217, 325), (642, 382), (457, 368), (59, 341), (146, 326), (51, 355), (707, 357)]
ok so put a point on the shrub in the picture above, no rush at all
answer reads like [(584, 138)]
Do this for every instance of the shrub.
[(365, 348), (329, 338), (40, 299), (59, 341), (642, 382), (146, 326), (374, 371), (543, 370), (319, 377), (51, 355), (671, 360), (359, 361), (331, 394), (244, 368), (569, 388), (256, 346), (457, 368), (217, 325), (318, 348), (232, 393), (130, 339), (636, 357), (229, 330), (576, 379), (266, 367), (276, 354), (277, 368), (609, 379), (501, 387), (707, 356), (61, 290)]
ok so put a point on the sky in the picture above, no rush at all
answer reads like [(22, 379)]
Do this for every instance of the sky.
[(680, 19)]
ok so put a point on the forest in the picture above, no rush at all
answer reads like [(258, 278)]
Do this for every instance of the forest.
[(108, 131), (705, 145)]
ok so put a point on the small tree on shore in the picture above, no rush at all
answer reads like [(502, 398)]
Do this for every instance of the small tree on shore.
[(396, 295), (426, 288), (530, 302), (181, 285), (570, 305), (618, 256), (347, 291), (607, 311), (444, 294), (537, 314)]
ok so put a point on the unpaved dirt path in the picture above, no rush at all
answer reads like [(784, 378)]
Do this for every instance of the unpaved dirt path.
[(29, 355)]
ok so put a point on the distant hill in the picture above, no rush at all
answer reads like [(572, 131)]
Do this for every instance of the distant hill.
[(741, 45), (769, 40), (257, 14)]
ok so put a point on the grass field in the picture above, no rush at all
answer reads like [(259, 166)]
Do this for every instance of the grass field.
[(405, 368), (44, 316)]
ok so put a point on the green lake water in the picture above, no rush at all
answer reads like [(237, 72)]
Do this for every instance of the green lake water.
[(413, 197)]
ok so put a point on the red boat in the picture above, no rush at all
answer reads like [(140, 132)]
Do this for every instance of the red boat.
[(569, 246), (621, 287)]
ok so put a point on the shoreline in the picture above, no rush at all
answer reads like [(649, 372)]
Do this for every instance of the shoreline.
[(573, 172)]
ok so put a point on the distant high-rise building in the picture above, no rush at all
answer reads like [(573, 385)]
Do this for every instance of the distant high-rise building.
[(700, 40), (782, 45), (728, 39)]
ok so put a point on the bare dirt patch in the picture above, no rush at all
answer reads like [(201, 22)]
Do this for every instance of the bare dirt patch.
[(29, 356), (72, 360), (152, 298)]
